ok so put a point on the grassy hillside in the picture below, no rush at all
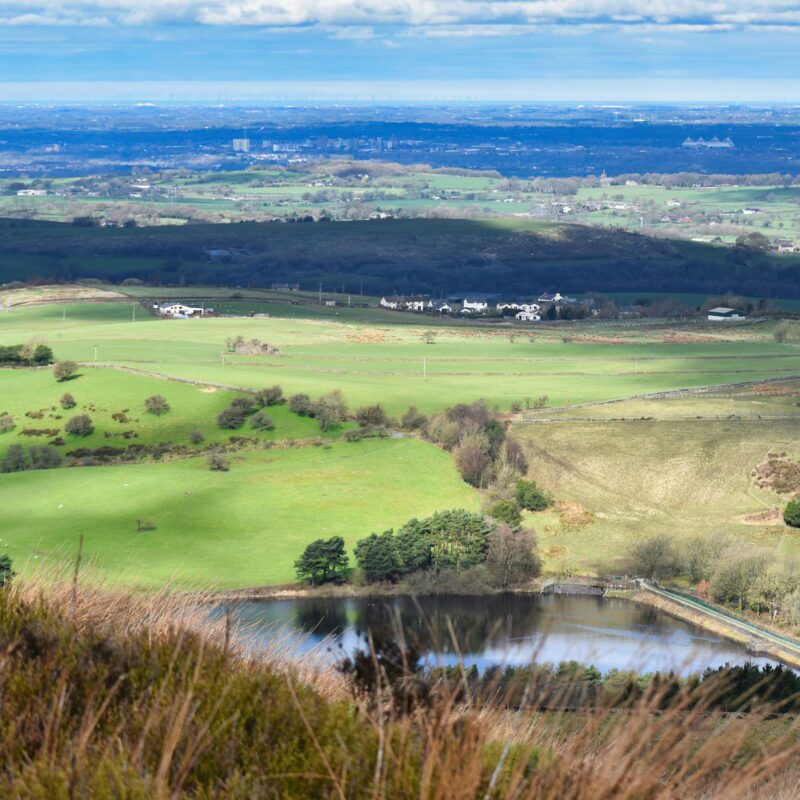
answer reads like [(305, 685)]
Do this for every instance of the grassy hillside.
[(682, 467), (231, 529), (432, 255)]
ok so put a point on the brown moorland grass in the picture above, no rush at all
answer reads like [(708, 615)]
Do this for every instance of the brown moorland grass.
[(117, 695)]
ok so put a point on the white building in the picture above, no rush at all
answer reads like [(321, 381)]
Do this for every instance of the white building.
[(474, 305), (180, 310), (531, 308), (403, 303), (440, 306), (527, 316), (725, 314)]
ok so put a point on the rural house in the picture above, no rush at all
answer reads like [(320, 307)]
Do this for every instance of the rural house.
[(400, 303), (181, 311)]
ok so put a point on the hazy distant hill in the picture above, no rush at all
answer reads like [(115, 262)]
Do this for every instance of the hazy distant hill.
[(418, 255)]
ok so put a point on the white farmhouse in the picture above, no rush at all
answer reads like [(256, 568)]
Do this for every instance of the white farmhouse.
[(180, 310), (403, 303), (527, 316), (474, 305)]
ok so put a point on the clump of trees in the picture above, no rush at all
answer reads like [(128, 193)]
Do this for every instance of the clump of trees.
[(234, 415), (65, 370), (449, 542), (478, 442), (30, 354), (80, 425), (330, 410), (156, 404), (271, 396), (323, 561), (17, 459)]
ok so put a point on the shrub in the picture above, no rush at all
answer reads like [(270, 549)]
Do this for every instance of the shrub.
[(64, 370), (330, 410), (269, 397), (530, 497), (196, 436), (443, 431), (371, 415), (6, 570), (473, 460), (262, 421), (67, 401), (506, 511), (79, 426), (791, 514), (301, 404), (14, 460), (6, 423), (230, 418), (44, 457), (655, 557), (42, 355), (218, 463), (412, 420), (156, 404)]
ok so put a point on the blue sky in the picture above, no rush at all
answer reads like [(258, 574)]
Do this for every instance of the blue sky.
[(509, 49)]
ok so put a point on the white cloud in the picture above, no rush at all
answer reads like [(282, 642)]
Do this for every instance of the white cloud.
[(473, 17)]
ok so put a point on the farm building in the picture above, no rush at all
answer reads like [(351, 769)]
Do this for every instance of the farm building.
[(527, 316), (181, 311), (400, 303), (724, 314)]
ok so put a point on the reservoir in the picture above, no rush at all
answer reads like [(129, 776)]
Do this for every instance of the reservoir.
[(505, 629)]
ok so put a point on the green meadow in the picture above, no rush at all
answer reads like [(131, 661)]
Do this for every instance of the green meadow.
[(230, 529), (686, 469)]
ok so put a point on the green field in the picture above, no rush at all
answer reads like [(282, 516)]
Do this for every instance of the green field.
[(687, 470), (240, 528)]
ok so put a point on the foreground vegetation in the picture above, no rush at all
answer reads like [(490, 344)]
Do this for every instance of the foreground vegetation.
[(115, 696)]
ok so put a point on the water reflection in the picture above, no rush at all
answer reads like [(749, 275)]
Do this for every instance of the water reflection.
[(502, 629)]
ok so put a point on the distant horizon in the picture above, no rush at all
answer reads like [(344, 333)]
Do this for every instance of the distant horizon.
[(637, 92)]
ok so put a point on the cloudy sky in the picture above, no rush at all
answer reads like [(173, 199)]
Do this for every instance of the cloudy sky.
[(546, 49)]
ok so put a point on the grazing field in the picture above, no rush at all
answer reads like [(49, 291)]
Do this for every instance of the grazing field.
[(679, 466), (32, 398), (231, 529), (393, 365), (685, 470)]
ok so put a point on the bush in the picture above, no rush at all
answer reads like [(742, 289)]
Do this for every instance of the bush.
[(67, 401), (655, 557), (196, 437), (473, 460), (530, 497), (269, 397), (301, 404), (330, 410), (230, 418), (156, 404), (218, 463), (506, 511), (79, 426), (243, 404), (6, 423), (14, 459), (6, 570), (371, 415), (44, 457), (412, 420), (42, 355), (262, 421), (791, 514), (64, 370)]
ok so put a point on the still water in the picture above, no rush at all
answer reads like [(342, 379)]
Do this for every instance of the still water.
[(504, 630)]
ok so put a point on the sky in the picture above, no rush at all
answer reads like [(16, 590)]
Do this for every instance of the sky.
[(661, 50)]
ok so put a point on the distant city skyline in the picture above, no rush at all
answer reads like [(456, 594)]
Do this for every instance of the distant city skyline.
[(693, 50)]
